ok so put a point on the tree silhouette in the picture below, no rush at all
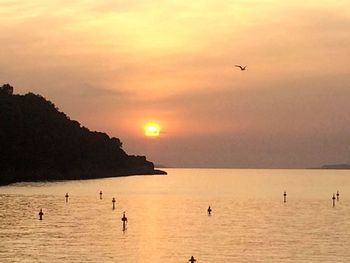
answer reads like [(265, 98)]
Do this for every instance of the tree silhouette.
[(6, 89)]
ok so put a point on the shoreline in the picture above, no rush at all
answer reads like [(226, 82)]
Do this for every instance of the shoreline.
[(77, 175)]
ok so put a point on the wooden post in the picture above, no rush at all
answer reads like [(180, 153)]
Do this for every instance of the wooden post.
[(113, 201), (41, 214), (209, 210), (125, 220), (192, 259)]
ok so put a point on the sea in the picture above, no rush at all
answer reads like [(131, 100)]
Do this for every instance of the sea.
[(168, 219)]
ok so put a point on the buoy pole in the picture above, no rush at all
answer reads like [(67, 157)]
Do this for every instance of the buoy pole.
[(192, 259), (100, 195), (333, 198), (284, 197), (124, 220), (209, 211), (337, 195), (113, 201), (66, 197), (41, 214)]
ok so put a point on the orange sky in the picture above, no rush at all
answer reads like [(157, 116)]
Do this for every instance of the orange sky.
[(114, 65)]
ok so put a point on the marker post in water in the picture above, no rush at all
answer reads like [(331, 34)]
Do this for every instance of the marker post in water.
[(333, 198), (284, 197), (192, 259), (41, 214), (209, 211), (100, 194), (66, 196), (113, 202), (124, 220), (337, 195)]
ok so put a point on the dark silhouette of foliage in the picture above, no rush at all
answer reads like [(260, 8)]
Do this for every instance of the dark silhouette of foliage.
[(38, 142), (6, 89)]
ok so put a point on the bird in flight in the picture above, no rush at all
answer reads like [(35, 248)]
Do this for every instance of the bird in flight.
[(242, 68)]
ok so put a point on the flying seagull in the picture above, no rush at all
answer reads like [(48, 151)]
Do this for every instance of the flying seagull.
[(242, 68)]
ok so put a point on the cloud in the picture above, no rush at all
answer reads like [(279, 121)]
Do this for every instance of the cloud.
[(94, 91)]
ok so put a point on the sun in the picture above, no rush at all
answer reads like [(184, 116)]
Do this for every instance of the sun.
[(152, 129)]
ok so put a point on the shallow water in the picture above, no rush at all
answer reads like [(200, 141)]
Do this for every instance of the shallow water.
[(168, 221)]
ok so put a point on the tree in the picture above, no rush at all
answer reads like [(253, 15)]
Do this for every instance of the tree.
[(117, 142), (6, 89)]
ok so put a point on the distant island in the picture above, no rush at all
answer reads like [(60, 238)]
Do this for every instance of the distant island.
[(40, 143), (336, 166)]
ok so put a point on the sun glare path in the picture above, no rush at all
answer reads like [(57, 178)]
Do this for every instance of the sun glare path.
[(152, 129)]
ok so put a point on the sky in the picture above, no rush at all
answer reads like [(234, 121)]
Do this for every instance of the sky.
[(115, 65)]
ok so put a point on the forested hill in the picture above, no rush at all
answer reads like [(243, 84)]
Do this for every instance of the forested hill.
[(38, 142)]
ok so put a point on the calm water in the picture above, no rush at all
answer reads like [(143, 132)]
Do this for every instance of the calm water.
[(168, 221)]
